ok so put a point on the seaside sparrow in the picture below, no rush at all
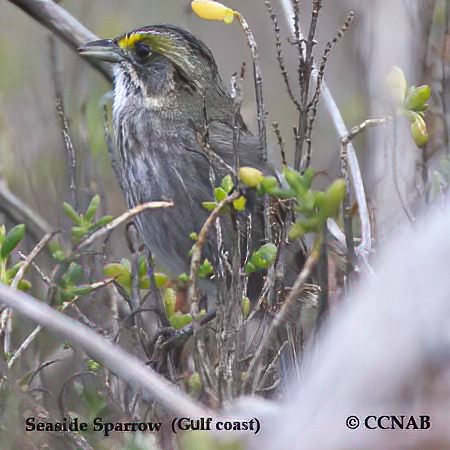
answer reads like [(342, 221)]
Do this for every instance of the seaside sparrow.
[(167, 89)]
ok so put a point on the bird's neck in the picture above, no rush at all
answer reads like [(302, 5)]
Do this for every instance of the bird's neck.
[(162, 96)]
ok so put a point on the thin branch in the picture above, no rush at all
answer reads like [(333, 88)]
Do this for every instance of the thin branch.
[(257, 75), (8, 313), (280, 140), (365, 247), (44, 277), (279, 49), (29, 259), (123, 364), (344, 157), (65, 130), (396, 177), (121, 219), (197, 249), (254, 366)]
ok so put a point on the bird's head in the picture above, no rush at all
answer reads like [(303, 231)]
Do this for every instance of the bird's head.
[(159, 59)]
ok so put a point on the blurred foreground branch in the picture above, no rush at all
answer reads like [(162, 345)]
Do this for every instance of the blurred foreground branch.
[(385, 351), (123, 364)]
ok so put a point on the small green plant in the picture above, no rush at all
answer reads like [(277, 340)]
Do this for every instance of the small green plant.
[(85, 224), (121, 271), (176, 318), (8, 243), (313, 208), (221, 192), (262, 258)]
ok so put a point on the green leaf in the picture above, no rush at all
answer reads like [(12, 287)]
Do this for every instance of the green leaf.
[(312, 224), (80, 290), (72, 214), (265, 256), (78, 232), (219, 194), (419, 131), (180, 320), (170, 300), (417, 97), (114, 270), (269, 183), (12, 240), (227, 184), (245, 307), (24, 285), (56, 250), (250, 268), (308, 177), (296, 231), (205, 269), (209, 206), (144, 282), (103, 221), (307, 203), (296, 182), (184, 277), (143, 266), (281, 193), (161, 279), (92, 208), (334, 197), (194, 383), (239, 203), (74, 274), (2, 234), (120, 272), (262, 258), (93, 365), (12, 272), (193, 236)]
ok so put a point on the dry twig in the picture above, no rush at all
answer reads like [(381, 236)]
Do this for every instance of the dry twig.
[(128, 215)]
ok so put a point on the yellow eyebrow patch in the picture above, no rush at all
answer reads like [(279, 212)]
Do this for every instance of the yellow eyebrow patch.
[(129, 41)]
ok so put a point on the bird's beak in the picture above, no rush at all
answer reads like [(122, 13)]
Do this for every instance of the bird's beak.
[(103, 50)]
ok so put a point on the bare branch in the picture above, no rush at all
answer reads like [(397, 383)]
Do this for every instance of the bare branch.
[(197, 249), (254, 366), (121, 219), (64, 125), (257, 75), (279, 49), (365, 247), (40, 245)]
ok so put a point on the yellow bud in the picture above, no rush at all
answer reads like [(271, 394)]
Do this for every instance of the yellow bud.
[(210, 10), (397, 84), (250, 176)]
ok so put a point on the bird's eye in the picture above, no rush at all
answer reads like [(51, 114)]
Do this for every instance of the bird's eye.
[(142, 50)]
